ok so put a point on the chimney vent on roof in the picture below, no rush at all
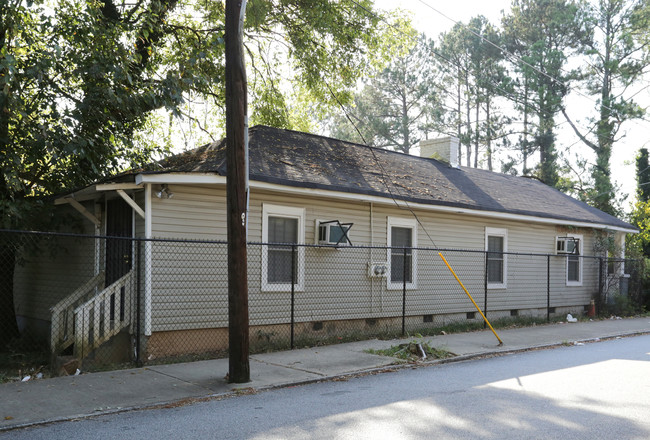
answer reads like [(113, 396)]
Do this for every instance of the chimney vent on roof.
[(442, 149)]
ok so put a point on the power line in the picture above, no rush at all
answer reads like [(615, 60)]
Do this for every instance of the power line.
[(504, 93), (381, 169), (517, 58)]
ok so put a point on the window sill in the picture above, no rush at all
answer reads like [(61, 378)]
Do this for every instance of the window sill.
[(400, 286), (282, 288), (574, 283)]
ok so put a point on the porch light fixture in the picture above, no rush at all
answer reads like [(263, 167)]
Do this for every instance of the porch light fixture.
[(164, 192)]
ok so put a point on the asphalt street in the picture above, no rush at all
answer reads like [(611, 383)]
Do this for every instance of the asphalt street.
[(598, 390)]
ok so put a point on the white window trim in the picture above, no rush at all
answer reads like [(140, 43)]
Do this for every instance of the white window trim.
[(403, 223), (316, 232), (269, 210), (499, 232), (580, 262)]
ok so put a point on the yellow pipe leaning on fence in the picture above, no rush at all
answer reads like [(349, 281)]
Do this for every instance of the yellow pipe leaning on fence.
[(470, 297)]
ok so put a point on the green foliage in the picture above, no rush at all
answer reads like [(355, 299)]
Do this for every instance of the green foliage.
[(411, 351), (473, 85), (639, 244), (643, 175), (78, 88), (543, 34), (396, 107), (617, 60), (620, 305), (323, 47)]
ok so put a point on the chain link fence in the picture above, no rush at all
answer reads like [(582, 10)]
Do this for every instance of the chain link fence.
[(73, 302)]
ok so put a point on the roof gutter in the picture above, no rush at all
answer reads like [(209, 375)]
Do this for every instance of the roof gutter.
[(215, 179)]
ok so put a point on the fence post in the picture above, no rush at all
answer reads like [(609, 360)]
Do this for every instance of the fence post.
[(293, 291), (138, 359), (601, 284), (548, 288), (485, 283), (404, 296)]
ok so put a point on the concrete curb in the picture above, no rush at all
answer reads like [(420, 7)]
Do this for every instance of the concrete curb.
[(244, 390)]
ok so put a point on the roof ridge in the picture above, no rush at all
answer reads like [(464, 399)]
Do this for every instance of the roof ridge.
[(356, 144)]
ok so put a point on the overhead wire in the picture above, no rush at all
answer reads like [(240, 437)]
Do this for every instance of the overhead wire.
[(442, 57), (382, 170), (504, 93), (517, 58)]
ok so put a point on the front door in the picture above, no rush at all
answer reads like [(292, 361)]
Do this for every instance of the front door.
[(119, 223)]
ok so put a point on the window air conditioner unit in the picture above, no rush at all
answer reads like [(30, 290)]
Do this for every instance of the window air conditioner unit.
[(566, 245), (334, 233), (377, 270)]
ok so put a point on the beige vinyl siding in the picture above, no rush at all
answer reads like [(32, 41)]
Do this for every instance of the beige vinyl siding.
[(315, 209), (54, 268), (189, 281), (189, 285), (199, 213), (194, 212), (336, 284)]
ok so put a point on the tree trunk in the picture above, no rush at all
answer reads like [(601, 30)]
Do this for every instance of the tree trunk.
[(478, 132), (524, 147), (8, 324), (546, 140), (459, 120), (601, 171), (406, 146), (548, 167), (488, 133), (468, 125)]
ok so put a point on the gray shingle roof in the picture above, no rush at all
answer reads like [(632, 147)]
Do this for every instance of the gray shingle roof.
[(309, 161)]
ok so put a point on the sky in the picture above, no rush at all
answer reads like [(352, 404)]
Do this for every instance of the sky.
[(434, 16)]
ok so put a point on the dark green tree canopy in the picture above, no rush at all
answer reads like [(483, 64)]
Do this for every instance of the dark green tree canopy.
[(543, 34), (78, 82), (617, 59)]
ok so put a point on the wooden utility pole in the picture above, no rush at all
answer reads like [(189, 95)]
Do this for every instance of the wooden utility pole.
[(236, 187)]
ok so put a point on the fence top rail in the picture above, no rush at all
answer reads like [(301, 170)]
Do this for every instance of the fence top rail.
[(425, 249), (298, 245), (112, 237)]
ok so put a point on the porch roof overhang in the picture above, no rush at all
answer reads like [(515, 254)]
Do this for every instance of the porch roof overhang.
[(92, 192)]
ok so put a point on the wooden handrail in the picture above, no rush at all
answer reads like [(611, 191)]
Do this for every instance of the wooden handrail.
[(61, 325), (94, 323)]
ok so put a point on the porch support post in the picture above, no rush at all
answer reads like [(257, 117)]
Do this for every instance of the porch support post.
[(147, 261)]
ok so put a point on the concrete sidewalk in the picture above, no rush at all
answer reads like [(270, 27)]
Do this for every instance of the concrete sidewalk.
[(63, 398)]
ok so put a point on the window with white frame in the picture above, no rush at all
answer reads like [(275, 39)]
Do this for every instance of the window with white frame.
[(496, 245), (402, 258), (283, 227), (574, 262)]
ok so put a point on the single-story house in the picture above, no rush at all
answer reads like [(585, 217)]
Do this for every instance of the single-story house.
[(310, 189)]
